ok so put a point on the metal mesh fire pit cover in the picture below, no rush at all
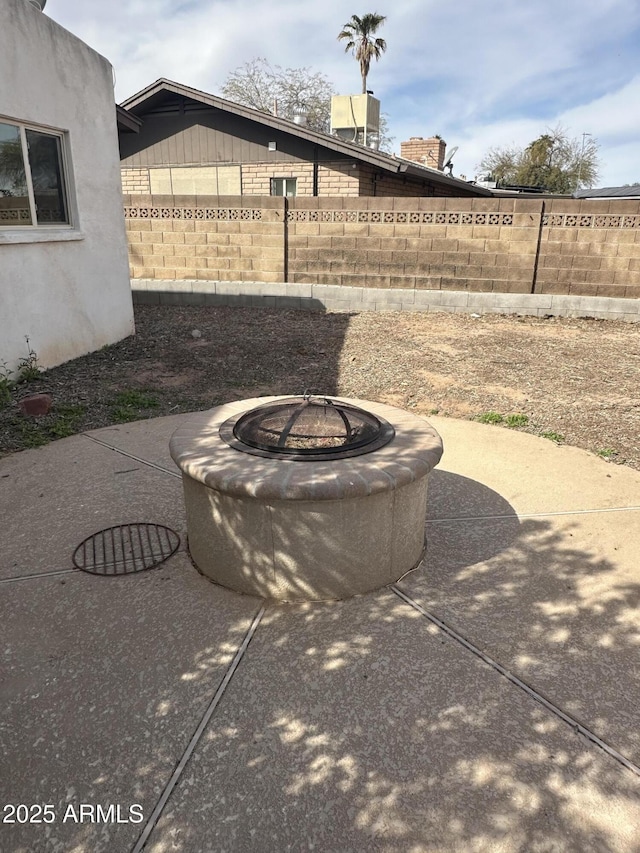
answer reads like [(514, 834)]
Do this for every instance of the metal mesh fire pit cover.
[(125, 549), (307, 428)]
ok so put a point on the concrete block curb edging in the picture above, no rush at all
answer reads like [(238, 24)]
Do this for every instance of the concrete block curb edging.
[(327, 297)]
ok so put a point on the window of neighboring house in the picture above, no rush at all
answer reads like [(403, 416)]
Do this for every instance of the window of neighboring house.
[(32, 182), (283, 186)]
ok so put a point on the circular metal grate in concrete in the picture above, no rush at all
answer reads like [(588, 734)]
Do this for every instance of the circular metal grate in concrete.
[(125, 549)]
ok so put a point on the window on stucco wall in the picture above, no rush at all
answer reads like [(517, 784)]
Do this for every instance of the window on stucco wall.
[(32, 180)]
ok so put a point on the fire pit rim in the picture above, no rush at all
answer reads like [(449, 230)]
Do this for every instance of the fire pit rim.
[(200, 452), (230, 430)]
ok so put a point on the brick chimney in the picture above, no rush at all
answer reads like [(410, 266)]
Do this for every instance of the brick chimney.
[(427, 152)]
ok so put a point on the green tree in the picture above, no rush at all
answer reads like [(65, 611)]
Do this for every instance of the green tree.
[(359, 34), (264, 87), (553, 162)]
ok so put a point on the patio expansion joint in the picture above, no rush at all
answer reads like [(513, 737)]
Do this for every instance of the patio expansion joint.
[(551, 514), (51, 574), (195, 738), (131, 456), (36, 575), (577, 727)]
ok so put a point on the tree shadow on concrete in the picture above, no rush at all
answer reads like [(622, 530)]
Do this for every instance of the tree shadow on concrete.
[(356, 726), (349, 726), (103, 682), (359, 725)]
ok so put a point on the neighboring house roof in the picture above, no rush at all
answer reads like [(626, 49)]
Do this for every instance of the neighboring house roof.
[(632, 191), (154, 94), (127, 122)]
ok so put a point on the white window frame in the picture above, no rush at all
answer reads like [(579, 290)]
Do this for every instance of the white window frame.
[(284, 186), (44, 231)]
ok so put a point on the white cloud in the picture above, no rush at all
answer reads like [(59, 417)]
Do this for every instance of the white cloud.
[(612, 117), (479, 73)]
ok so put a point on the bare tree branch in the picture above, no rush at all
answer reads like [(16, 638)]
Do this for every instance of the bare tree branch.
[(260, 85)]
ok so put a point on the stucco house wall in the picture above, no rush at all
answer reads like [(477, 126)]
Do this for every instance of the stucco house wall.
[(66, 287)]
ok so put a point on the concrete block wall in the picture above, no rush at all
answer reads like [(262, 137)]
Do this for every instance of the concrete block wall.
[(567, 247), (207, 238), (422, 243), (327, 297), (590, 248)]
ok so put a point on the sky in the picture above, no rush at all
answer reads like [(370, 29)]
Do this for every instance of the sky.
[(480, 73)]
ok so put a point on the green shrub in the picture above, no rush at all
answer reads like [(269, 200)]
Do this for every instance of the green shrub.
[(517, 420), (490, 418), (28, 367), (136, 399), (607, 453), (552, 436)]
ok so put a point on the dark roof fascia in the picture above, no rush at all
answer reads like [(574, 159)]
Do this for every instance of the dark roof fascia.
[(127, 121), (381, 161), (610, 192), (516, 194)]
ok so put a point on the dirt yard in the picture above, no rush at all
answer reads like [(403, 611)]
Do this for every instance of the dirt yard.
[(572, 381)]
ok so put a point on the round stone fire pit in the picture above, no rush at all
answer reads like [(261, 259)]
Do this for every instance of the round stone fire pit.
[(305, 498)]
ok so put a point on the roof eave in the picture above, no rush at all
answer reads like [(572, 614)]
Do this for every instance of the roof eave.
[(440, 178), (127, 121)]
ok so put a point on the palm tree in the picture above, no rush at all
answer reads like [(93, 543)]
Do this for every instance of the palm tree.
[(359, 33)]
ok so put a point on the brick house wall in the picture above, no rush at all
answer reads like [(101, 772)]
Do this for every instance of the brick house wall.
[(334, 179), (135, 181), (256, 177), (374, 183), (337, 178)]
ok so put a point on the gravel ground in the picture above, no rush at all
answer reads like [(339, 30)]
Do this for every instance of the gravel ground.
[(573, 381)]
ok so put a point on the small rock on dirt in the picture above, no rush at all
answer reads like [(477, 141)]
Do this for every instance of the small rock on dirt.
[(36, 405)]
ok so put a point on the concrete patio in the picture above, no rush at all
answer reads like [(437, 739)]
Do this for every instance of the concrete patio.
[(487, 702)]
